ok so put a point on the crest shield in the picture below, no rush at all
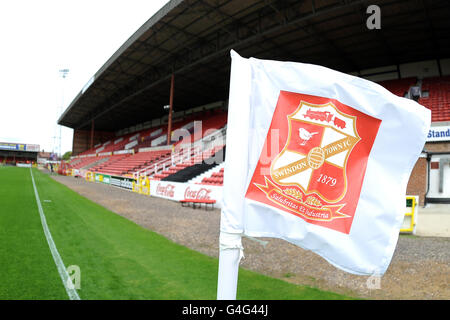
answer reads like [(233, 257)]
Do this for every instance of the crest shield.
[(318, 154), (315, 155)]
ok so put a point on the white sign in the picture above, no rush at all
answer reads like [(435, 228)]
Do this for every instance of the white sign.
[(33, 147), (23, 165), (185, 191), (441, 133)]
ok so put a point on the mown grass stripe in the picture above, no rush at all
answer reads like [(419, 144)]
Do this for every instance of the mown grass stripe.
[(27, 269), (71, 291)]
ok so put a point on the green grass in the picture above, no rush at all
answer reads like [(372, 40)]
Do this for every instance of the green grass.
[(411, 236), (118, 259), (27, 270)]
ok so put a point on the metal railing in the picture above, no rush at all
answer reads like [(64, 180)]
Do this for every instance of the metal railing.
[(184, 152)]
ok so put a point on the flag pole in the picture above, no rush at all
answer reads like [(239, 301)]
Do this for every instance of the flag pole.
[(231, 252), (238, 126)]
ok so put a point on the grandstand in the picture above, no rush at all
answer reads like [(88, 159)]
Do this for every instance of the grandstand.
[(180, 58), (17, 154), (437, 97), (399, 87)]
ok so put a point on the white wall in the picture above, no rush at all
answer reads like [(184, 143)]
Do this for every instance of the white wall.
[(445, 66), (421, 69), (434, 179), (388, 73)]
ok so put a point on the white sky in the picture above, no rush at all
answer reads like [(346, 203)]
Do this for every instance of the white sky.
[(38, 38)]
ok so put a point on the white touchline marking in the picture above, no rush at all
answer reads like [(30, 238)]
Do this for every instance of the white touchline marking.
[(71, 292)]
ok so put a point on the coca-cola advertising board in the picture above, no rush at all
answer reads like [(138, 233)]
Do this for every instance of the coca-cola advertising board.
[(185, 191)]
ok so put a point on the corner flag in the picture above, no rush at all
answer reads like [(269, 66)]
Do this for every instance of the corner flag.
[(318, 158)]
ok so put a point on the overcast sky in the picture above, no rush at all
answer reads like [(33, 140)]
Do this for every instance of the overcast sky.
[(39, 38)]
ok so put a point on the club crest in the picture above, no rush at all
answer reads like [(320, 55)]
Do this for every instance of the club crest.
[(309, 176), (315, 155)]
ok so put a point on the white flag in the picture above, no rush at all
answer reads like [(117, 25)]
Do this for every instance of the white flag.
[(319, 158)]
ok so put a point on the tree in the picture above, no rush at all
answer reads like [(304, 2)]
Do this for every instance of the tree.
[(67, 155)]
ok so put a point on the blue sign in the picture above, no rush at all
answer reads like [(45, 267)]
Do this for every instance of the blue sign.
[(13, 146), (439, 134)]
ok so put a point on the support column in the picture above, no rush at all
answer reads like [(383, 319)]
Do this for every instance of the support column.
[(92, 134), (439, 67), (169, 128)]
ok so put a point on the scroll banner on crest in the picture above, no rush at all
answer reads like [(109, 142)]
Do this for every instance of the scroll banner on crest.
[(319, 158)]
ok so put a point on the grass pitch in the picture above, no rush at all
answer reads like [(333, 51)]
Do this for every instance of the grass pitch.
[(117, 258)]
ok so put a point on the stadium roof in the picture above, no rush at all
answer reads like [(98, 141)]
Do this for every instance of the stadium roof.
[(192, 40)]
